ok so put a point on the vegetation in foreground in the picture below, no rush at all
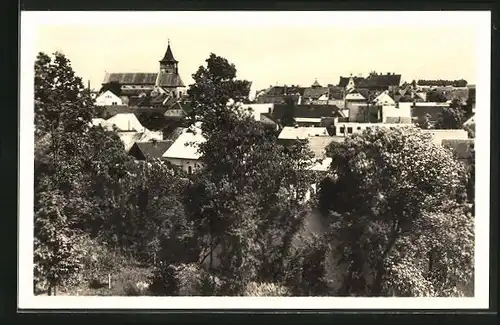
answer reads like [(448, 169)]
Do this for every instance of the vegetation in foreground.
[(393, 209)]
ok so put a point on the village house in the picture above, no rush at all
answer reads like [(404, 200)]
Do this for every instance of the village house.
[(184, 150), (279, 94), (375, 81), (304, 115), (128, 128), (149, 150), (107, 98)]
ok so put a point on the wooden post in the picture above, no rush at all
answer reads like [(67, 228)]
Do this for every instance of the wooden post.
[(109, 280), (154, 258)]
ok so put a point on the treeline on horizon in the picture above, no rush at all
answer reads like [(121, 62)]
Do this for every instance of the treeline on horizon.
[(442, 83)]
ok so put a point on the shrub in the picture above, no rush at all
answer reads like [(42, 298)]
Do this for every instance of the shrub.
[(183, 280), (266, 290)]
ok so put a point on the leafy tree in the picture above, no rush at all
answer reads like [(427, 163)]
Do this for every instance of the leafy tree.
[(114, 86), (247, 200), (451, 117), (424, 122), (436, 96), (55, 257), (215, 85), (397, 214), (61, 102)]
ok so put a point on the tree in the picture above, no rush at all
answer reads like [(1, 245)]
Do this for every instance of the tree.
[(451, 117), (424, 122), (214, 86), (55, 256), (246, 202), (114, 86), (398, 216), (61, 102), (436, 96)]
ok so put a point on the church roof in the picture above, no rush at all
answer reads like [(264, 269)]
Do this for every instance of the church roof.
[(169, 80), (131, 78), (169, 56)]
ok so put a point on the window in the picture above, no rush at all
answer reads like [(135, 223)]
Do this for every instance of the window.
[(359, 127), (190, 170), (113, 103), (349, 130), (342, 129)]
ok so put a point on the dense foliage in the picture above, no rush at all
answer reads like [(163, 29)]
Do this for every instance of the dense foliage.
[(399, 221), (393, 201)]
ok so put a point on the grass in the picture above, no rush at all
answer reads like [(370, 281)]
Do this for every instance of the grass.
[(123, 283)]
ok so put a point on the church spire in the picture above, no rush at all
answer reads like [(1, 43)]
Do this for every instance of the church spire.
[(169, 56)]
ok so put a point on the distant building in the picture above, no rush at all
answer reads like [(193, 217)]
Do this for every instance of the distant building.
[(107, 98), (184, 151), (128, 128), (166, 81), (148, 150), (279, 94), (374, 81)]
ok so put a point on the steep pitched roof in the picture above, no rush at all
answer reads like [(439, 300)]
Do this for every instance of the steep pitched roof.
[(129, 138), (186, 145), (335, 92), (153, 149), (345, 80), (131, 78), (316, 84), (169, 80), (315, 92), (381, 81), (126, 122), (169, 56)]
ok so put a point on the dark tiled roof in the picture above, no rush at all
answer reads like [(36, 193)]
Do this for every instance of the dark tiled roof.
[(364, 92), (169, 56), (335, 92), (153, 149), (285, 90), (170, 80), (345, 80), (315, 92), (381, 81), (461, 148), (304, 111), (131, 78)]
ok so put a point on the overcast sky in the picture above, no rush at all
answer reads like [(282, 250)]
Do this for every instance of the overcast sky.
[(267, 54)]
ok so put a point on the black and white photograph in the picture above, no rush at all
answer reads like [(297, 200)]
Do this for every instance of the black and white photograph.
[(254, 160)]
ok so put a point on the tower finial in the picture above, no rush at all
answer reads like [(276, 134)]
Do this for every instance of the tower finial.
[(169, 42)]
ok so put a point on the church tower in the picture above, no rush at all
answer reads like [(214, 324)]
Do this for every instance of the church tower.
[(168, 78)]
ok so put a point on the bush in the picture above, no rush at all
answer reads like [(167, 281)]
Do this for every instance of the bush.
[(183, 280), (266, 290)]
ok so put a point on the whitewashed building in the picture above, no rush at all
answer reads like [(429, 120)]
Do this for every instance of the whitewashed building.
[(108, 98)]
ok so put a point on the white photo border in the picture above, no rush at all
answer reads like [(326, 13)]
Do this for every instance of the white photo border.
[(481, 20)]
